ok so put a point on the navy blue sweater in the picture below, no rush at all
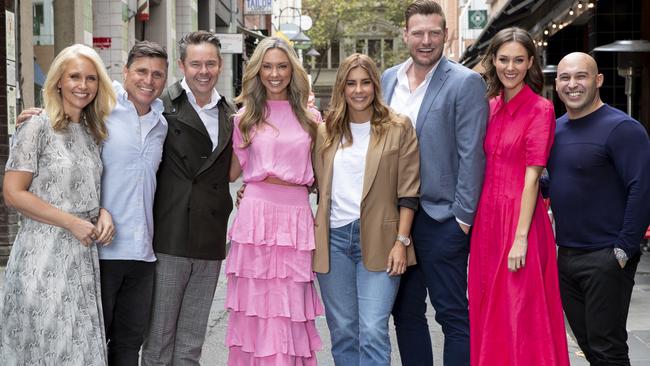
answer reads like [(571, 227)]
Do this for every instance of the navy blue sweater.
[(599, 181)]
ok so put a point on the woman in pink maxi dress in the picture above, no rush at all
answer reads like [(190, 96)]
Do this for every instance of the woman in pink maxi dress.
[(514, 299), (270, 295)]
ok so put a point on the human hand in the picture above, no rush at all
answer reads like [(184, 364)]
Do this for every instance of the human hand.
[(397, 260), (105, 227), (240, 194), (83, 230), (27, 114), (464, 227), (517, 254)]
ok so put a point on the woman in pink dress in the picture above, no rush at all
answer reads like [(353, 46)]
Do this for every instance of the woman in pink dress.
[(270, 295), (514, 298)]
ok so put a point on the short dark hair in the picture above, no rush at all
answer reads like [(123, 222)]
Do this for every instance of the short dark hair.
[(198, 37), (534, 77), (424, 7), (146, 49)]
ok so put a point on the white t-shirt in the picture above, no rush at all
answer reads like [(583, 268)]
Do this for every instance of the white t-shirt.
[(347, 177)]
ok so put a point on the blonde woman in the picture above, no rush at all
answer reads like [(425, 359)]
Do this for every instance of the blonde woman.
[(52, 309), (271, 295), (367, 164)]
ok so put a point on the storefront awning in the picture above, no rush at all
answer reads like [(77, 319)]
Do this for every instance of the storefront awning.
[(525, 14)]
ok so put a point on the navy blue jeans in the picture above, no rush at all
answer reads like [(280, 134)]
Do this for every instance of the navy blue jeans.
[(441, 249)]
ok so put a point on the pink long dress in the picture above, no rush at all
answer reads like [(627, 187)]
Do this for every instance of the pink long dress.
[(515, 318), (270, 295)]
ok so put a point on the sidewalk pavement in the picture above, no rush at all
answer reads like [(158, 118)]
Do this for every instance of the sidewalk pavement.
[(215, 352)]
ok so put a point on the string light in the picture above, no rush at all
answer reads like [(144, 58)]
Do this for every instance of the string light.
[(579, 5), (545, 43), (571, 11), (546, 32), (561, 26), (554, 25), (590, 5)]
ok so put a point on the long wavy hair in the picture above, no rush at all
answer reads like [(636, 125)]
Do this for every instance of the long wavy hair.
[(92, 115), (337, 122), (534, 77), (253, 94)]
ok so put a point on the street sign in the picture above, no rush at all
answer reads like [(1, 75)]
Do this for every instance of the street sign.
[(477, 19), (231, 42), (102, 43), (262, 7)]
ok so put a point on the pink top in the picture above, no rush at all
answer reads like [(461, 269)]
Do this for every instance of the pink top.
[(280, 148)]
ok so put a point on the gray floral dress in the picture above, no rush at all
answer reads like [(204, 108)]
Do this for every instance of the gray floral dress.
[(52, 311)]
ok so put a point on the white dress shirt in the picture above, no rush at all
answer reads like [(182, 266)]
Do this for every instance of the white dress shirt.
[(209, 113), (405, 101)]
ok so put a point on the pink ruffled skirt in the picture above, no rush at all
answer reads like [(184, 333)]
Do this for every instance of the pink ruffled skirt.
[(271, 296)]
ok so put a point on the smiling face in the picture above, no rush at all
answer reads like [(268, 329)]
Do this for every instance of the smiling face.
[(275, 74), (144, 81), (577, 84), (425, 37), (78, 85), (359, 95), (512, 63), (201, 69)]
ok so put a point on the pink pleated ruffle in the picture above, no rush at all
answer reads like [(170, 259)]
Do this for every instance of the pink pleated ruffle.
[(268, 262), (266, 337), (264, 223), (278, 297), (239, 357)]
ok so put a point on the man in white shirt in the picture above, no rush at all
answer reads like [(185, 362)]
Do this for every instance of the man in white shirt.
[(192, 205), (447, 105)]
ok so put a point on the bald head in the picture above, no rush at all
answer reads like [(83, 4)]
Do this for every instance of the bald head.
[(578, 60), (577, 84)]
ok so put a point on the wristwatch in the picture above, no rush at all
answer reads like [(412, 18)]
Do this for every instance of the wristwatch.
[(403, 239), (621, 256)]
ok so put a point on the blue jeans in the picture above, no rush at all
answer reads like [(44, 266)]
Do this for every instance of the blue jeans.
[(357, 302)]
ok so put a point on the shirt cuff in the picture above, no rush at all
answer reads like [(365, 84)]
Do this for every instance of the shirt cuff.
[(409, 202), (461, 222)]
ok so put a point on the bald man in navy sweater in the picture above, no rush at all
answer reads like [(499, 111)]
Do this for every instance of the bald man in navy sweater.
[(599, 185)]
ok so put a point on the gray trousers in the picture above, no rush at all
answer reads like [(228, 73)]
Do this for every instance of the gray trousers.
[(182, 296)]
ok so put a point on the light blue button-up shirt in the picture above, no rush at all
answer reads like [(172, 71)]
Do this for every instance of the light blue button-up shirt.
[(129, 178)]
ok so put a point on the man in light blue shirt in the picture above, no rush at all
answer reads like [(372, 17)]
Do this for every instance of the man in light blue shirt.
[(131, 156)]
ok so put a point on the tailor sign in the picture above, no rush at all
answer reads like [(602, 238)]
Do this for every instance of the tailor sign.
[(263, 7)]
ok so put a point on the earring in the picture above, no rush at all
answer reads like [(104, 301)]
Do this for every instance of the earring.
[(58, 90)]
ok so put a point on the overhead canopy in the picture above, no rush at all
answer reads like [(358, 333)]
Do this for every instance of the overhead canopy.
[(526, 14)]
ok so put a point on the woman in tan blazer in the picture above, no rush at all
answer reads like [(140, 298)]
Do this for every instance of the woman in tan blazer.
[(366, 161)]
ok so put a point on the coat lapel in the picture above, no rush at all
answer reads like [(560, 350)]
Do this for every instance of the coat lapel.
[(328, 168), (225, 134), (183, 110), (435, 85), (373, 157), (390, 82)]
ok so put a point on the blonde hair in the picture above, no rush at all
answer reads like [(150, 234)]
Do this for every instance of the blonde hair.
[(337, 122), (253, 94), (94, 114)]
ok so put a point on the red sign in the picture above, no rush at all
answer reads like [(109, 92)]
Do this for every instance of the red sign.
[(102, 42)]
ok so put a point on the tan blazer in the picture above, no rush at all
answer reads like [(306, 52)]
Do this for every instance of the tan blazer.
[(392, 171)]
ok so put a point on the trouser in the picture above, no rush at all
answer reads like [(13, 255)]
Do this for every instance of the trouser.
[(358, 302), (126, 299), (596, 294), (442, 250), (183, 293)]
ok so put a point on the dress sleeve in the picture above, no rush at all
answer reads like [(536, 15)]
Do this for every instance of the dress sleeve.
[(237, 140), (539, 136), (27, 145)]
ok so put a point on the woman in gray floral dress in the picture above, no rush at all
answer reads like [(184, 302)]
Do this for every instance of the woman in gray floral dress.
[(52, 309)]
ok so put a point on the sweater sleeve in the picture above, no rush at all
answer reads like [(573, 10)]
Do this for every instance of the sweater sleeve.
[(629, 148)]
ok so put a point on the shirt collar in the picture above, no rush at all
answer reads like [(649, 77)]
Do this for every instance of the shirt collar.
[(214, 99), (518, 100), (123, 98), (401, 72)]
